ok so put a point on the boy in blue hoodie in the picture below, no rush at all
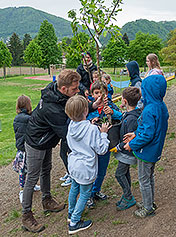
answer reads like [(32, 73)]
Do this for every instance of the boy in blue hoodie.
[(103, 160), (85, 141), (148, 140)]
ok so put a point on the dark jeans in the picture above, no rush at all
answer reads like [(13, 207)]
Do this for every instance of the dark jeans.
[(38, 165), (146, 182), (64, 153), (103, 162), (124, 179)]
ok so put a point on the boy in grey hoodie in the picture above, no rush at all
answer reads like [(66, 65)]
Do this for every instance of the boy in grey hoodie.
[(85, 141)]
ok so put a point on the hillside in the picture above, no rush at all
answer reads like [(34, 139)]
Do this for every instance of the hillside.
[(23, 20), (161, 28)]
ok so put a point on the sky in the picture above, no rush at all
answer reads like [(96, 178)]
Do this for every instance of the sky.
[(156, 10)]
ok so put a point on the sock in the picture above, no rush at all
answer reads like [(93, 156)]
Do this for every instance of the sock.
[(72, 223)]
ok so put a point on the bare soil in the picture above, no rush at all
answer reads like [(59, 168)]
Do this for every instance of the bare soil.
[(107, 221)]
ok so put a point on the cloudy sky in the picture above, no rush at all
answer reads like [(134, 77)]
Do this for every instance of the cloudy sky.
[(157, 10)]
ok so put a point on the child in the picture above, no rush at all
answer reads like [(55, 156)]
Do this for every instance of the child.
[(148, 140), (23, 110), (107, 79), (135, 80), (85, 141), (153, 65), (130, 98), (103, 160)]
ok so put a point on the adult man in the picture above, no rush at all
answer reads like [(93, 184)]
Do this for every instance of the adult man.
[(48, 124), (85, 70)]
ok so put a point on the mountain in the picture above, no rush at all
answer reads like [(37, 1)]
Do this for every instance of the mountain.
[(161, 28), (24, 20)]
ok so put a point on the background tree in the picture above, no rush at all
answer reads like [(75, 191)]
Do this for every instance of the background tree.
[(125, 39), (26, 40), (115, 53), (5, 57), (33, 54), (73, 49), (169, 53), (47, 41), (96, 14), (16, 49), (142, 46)]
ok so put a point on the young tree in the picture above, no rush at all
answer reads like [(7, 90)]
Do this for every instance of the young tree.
[(26, 40), (96, 14), (33, 54), (5, 57), (47, 41), (16, 48), (115, 53), (169, 53), (142, 46), (73, 50)]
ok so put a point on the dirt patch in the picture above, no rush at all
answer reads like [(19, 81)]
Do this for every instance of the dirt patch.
[(107, 221)]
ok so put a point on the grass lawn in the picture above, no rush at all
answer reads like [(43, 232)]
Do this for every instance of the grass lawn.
[(10, 89)]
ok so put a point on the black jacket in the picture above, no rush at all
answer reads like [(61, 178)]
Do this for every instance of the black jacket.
[(19, 125), (48, 123), (85, 80), (129, 124)]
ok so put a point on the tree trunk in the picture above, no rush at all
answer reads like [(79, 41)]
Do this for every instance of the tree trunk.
[(114, 68), (98, 60), (4, 72), (48, 70)]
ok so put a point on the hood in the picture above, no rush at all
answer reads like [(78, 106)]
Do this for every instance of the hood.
[(135, 112), (133, 69), (52, 95), (79, 129), (153, 89)]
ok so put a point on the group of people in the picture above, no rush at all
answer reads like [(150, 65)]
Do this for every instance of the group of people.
[(70, 112)]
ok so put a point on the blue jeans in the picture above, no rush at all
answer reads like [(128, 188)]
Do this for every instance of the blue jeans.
[(124, 179), (76, 207), (103, 162), (146, 182)]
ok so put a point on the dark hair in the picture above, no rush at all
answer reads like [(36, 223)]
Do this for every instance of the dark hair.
[(97, 85), (132, 95), (23, 102), (89, 54)]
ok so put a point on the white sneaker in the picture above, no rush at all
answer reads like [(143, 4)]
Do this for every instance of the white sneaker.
[(67, 182), (21, 196), (37, 188), (64, 178)]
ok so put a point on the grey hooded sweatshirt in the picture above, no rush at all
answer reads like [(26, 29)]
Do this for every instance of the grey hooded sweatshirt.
[(85, 142)]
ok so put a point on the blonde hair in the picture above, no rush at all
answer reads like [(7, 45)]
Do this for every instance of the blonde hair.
[(67, 77), (75, 107), (23, 102), (153, 58)]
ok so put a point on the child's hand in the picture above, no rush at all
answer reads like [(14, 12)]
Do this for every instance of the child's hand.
[(106, 100), (108, 110), (94, 120), (128, 137), (127, 147), (105, 127)]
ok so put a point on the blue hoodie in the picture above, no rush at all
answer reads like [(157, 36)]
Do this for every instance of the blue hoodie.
[(153, 123)]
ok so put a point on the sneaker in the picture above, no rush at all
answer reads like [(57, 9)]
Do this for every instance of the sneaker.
[(140, 205), (90, 203), (120, 200), (125, 204), (69, 217), (64, 177), (143, 212), (67, 182), (30, 223), (37, 188), (81, 225), (21, 196), (50, 205), (100, 196)]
